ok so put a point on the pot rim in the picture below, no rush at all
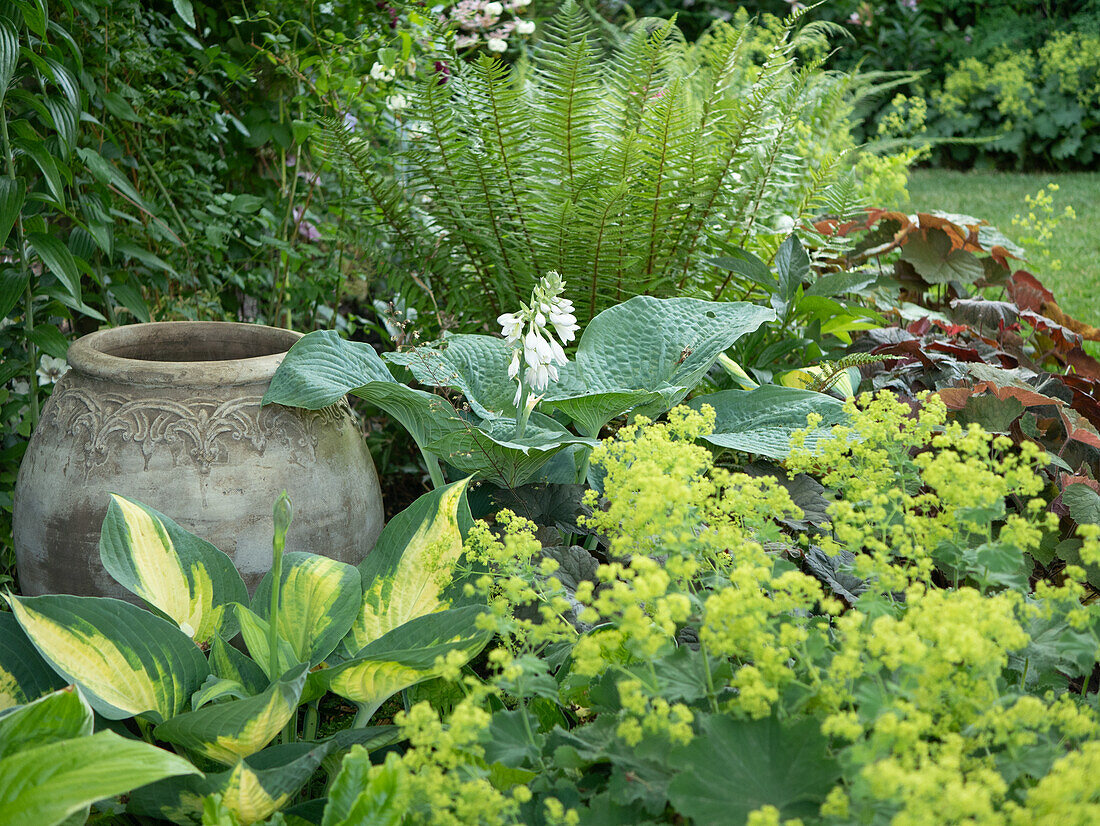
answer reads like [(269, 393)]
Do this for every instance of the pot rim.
[(90, 355)]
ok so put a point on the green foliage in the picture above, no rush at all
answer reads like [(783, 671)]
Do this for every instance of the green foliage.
[(224, 708), (623, 173), (713, 667), (1041, 105)]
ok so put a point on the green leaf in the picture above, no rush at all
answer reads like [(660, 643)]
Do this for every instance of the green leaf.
[(492, 451), (734, 767), (186, 578), (647, 353), (406, 574), (476, 366), (106, 173), (62, 715), (932, 257), (119, 107), (24, 675), (255, 788), (230, 664), (37, 151), (255, 633), (185, 11), (406, 656), (321, 368), (57, 258), (125, 660), (50, 340), (45, 785), (839, 283), (11, 201), (1083, 503), (793, 267), (219, 688), (130, 297), (229, 731), (761, 421), (9, 56), (357, 798), (319, 600), (744, 263), (13, 286)]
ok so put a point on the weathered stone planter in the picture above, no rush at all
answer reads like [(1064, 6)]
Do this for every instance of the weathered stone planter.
[(169, 414)]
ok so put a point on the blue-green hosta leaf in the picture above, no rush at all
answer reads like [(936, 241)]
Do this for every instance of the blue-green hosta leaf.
[(406, 574), (492, 451), (62, 715), (186, 578), (761, 421), (321, 367), (43, 786), (256, 787), (647, 354), (406, 656), (229, 731), (476, 366), (318, 601), (230, 664), (24, 675), (127, 661), (733, 767), (255, 631)]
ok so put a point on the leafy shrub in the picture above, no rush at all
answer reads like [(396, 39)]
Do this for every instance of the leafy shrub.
[(1042, 105)]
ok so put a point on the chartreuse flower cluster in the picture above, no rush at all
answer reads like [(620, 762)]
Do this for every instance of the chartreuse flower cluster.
[(941, 695)]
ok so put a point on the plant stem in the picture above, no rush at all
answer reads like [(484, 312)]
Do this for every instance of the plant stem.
[(522, 412), (282, 514), (313, 717), (363, 715), (434, 470)]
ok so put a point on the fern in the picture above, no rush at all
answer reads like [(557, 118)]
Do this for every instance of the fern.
[(625, 172)]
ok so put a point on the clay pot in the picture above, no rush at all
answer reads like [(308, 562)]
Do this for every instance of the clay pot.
[(169, 414)]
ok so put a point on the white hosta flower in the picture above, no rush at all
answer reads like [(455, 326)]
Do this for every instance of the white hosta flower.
[(536, 353), (525, 26), (511, 326), (50, 369), (497, 45)]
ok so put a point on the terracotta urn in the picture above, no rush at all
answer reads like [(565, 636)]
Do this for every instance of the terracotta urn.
[(169, 414)]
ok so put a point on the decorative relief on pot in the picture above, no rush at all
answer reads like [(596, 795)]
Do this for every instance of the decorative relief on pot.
[(198, 429)]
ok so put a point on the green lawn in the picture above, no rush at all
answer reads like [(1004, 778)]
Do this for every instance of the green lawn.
[(998, 196)]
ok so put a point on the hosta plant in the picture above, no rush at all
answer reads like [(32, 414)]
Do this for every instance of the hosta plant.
[(640, 357), (314, 625)]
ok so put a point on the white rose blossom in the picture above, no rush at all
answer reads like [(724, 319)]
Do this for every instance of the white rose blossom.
[(536, 353)]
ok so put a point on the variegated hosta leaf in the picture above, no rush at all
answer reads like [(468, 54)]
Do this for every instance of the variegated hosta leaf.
[(407, 655), (238, 728), (125, 660), (185, 577), (62, 715), (218, 688), (24, 675), (230, 664), (255, 788), (318, 601), (413, 561), (255, 632), (42, 786)]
